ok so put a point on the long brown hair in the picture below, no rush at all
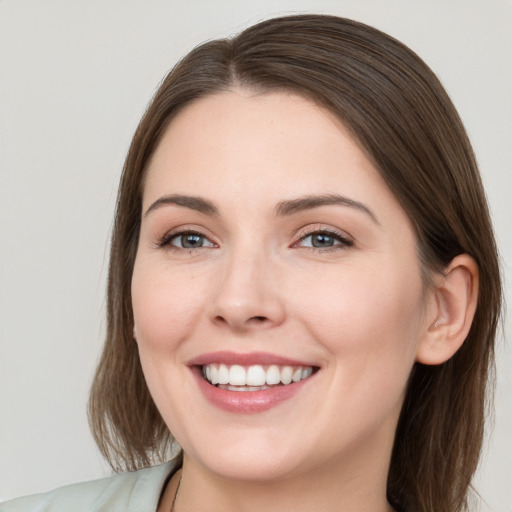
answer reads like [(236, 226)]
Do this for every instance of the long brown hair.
[(402, 117)]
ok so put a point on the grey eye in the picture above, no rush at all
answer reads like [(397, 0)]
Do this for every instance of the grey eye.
[(190, 241), (322, 240)]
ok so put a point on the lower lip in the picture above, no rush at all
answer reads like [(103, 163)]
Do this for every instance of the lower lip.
[(247, 402)]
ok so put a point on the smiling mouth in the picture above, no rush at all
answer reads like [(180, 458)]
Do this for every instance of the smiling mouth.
[(255, 377)]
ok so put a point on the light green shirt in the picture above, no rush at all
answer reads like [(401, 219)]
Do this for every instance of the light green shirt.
[(135, 491)]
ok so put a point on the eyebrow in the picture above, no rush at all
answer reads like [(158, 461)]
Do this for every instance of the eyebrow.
[(192, 202), (300, 204), (283, 208)]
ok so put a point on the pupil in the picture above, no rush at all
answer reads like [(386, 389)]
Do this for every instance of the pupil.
[(191, 241), (322, 240)]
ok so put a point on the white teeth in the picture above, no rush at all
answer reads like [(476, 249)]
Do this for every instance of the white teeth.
[(273, 375), (237, 376), (256, 376), (223, 375), (242, 388), (253, 378), (214, 374), (306, 372), (286, 375)]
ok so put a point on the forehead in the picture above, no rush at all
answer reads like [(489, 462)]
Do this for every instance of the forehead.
[(245, 143)]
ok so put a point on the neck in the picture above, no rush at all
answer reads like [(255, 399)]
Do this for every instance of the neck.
[(356, 488)]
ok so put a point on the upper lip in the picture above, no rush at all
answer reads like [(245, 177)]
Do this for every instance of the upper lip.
[(245, 359)]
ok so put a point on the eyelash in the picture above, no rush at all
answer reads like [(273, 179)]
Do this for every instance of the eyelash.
[(344, 242), (166, 240)]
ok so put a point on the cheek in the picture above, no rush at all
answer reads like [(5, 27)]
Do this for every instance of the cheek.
[(367, 314), (166, 305)]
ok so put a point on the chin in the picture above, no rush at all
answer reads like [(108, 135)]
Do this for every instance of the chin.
[(253, 460)]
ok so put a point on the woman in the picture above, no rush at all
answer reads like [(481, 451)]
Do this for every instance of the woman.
[(303, 286)]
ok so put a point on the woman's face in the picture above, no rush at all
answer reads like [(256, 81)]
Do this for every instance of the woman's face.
[(271, 250)]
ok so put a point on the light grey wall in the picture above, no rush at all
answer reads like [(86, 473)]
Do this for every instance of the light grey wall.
[(75, 77)]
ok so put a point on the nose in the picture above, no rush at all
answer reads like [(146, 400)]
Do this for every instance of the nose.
[(246, 293)]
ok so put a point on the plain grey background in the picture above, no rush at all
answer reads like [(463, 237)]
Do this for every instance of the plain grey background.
[(75, 77)]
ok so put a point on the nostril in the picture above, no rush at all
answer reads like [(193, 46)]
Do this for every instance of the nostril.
[(242, 322)]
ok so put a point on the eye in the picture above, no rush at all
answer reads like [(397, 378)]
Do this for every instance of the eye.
[(186, 240), (324, 240)]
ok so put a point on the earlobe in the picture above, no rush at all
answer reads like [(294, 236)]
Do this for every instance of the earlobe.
[(456, 296)]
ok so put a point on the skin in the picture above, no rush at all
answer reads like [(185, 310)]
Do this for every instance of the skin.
[(359, 311)]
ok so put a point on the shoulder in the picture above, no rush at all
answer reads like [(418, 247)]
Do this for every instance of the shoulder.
[(134, 491)]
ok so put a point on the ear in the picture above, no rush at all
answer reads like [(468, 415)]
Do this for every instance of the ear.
[(455, 297)]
